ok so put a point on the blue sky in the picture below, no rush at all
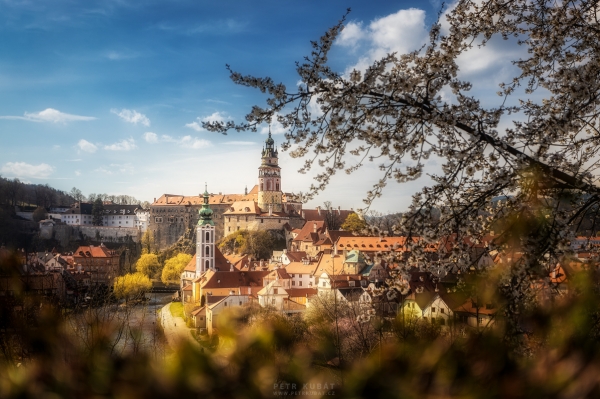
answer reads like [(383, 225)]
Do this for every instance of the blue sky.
[(108, 96)]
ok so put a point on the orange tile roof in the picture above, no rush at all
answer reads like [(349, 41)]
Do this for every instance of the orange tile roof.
[(301, 268), (301, 292), (94, 252), (308, 233), (243, 208), (296, 256), (319, 214), (372, 244), (177, 199), (278, 273), (331, 265), (235, 279), (191, 266)]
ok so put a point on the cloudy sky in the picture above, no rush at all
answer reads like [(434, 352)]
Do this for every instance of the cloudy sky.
[(109, 96)]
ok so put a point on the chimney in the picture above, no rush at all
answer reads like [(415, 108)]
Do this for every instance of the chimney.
[(231, 268), (319, 210), (154, 199), (339, 210), (314, 227), (166, 199), (270, 209)]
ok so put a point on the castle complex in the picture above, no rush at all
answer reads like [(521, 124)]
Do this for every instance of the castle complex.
[(265, 207)]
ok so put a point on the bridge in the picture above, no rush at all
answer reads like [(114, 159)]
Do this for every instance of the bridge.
[(163, 288)]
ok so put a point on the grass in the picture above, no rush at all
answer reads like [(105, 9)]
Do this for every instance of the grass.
[(176, 309)]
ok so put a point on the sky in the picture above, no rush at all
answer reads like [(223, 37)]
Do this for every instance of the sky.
[(109, 96)]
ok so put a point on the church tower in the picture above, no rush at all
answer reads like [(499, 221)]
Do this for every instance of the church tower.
[(269, 179), (205, 238)]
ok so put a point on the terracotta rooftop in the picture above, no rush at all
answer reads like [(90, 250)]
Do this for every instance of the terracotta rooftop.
[(234, 279), (311, 230), (301, 292), (94, 251), (243, 208), (331, 265), (296, 256), (372, 244), (191, 266), (301, 268)]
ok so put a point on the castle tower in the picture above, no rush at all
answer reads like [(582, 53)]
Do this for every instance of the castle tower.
[(269, 179), (205, 238)]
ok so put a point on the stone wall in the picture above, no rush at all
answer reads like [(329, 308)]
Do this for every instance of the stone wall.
[(169, 222), (109, 234)]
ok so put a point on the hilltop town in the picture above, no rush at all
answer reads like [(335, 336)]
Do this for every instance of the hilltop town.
[(324, 254)]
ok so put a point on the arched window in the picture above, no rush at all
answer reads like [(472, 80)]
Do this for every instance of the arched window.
[(277, 187), (207, 250), (207, 236), (269, 185), (207, 264)]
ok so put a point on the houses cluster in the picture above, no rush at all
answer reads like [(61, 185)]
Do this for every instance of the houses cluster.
[(353, 270), (63, 278)]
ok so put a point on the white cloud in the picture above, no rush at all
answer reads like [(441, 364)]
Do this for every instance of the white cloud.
[(400, 32), (132, 116), (86, 146), (351, 35), (77, 173), (123, 145), (50, 115), (276, 127), (214, 117), (151, 137), (22, 169)]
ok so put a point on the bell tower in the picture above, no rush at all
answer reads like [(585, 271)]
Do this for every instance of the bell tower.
[(205, 238), (269, 179)]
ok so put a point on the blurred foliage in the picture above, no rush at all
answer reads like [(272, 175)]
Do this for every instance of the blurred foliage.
[(259, 353), (275, 352)]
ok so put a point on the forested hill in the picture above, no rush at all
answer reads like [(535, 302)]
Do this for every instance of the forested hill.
[(14, 192)]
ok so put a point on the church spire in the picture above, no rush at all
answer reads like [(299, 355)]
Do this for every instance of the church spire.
[(205, 212)]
